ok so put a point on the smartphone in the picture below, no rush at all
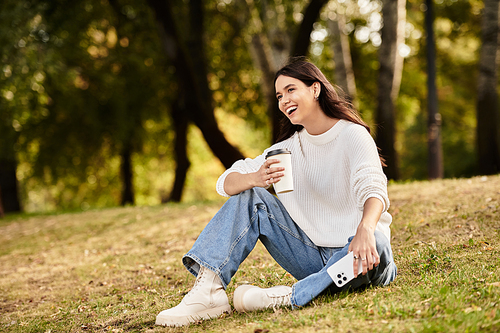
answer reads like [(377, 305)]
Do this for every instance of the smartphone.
[(342, 271)]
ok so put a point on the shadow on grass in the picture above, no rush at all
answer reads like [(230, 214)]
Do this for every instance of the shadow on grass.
[(139, 327)]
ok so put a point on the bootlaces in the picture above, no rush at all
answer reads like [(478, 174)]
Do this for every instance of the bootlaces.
[(197, 282), (280, 300)]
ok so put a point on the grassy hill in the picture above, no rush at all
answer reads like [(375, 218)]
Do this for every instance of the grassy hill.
[(113, 270)]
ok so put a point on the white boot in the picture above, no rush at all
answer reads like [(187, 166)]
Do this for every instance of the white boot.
[(207, 299), (251, 298)]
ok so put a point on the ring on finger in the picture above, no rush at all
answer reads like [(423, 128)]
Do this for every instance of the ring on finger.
[(363, 258), (355, 257), (267, 182)]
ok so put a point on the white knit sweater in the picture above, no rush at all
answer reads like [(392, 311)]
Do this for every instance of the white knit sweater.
[(334, 173)]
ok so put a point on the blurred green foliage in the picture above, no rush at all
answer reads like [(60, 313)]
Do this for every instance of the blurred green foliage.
[(79, 80)]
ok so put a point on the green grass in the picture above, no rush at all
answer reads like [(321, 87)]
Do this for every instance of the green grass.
[(113, 270)]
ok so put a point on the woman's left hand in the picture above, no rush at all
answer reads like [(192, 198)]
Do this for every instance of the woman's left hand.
[(363, 246)]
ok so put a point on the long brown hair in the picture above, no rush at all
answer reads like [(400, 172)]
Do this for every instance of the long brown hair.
[(332, 101)]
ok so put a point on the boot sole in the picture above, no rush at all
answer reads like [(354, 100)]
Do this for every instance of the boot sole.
[(238, 297), (186, 320)]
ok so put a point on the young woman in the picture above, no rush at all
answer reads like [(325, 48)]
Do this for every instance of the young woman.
[(338, 205)]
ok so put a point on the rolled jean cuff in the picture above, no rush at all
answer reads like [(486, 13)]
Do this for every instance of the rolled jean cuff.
[(191, 262), (292, 299)]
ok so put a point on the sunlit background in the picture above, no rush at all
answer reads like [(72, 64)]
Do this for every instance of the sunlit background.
[(81, 81)]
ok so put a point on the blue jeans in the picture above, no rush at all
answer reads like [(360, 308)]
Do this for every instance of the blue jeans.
[(256, 214)]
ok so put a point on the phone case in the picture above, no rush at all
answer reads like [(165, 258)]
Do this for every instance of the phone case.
[(341, 272)]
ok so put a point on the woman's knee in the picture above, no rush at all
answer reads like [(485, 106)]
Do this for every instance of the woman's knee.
[(259, 195), (383, 247), (255, 191), (387, 269), (262, 193), (246, 197)]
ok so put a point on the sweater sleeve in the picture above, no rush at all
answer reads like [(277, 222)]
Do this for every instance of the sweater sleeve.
[(245, 166), (367, 177)]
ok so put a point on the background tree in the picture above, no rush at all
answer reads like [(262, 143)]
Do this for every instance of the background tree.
[(192, 75), (83, 104), (112, 78), (189, 60), (344, 72), (16, 57), (488, 120), (2, 211), (434, 118), (389, 80)]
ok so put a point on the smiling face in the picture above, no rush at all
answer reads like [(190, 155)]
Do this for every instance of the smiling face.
[(298, 101)]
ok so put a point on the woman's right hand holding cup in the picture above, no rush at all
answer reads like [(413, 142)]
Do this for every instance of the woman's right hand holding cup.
[(268, 174)]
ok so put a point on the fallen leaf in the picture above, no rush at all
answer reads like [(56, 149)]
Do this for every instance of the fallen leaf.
[(491, 314), (472, 309)]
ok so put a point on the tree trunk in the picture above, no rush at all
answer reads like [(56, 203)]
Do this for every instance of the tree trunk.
[(344, 72), (127, 176), (400, 41), (303, 37), (8, 166), (181, 127), (263, 58), (8, 186), (389, 79), (2, 213), (191, 80), (262, 55), (434, 118), (260, 50), (488, 142)]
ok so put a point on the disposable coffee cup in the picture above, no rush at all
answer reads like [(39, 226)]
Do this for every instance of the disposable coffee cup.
[(285, 157)]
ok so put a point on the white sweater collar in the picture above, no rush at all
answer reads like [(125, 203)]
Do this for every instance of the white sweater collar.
[(326, 137)]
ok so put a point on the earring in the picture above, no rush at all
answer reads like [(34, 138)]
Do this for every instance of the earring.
[(317, 98)]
